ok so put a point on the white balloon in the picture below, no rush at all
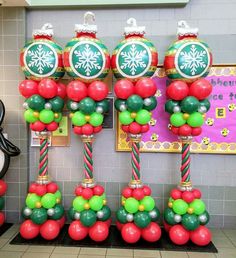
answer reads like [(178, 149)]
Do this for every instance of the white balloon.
[(74, 105), (100, 214), (99, 110), (177, 218), (25, 105), (123, 107), (50, 212), (176, 109), (130, 217), (202, 218), (27, 211), (147, 102), (48, 106), (77, 216), (153, 214)]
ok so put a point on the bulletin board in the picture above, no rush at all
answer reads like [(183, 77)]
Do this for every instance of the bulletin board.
[(219, 130)]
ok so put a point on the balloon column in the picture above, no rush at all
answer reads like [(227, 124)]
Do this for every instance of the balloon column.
[(186, 62), (41, 62), (87, 61), (134, 60)]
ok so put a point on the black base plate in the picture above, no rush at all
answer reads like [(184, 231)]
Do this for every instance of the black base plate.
[(115, 240), (4, 228)]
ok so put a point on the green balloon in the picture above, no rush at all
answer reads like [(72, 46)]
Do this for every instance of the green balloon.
[(190, 221), (87, 106), (150, 103), (72, 107), (96, 119), (157, 217), (103, 196), (58, 212), (2, 203), (58, 194), (170, 105), (121, 215), (195, 119), (134, 103), (88, 217), (198, 206), (58, 120), (131, 205), (148, 203), (180, 207), (205, 103), (142, 219), (48, 200), (29, 116), (31, 200), (46, 116), (143, 117), (120, 105), (177, 119), (125, 117), (169, 216), (104, 104), (189, 104), (78, 119), (106, 213), (78, 203), (39, 216), (36, 102), (71, 213), (96, 203), (207, 218), (57, 104)]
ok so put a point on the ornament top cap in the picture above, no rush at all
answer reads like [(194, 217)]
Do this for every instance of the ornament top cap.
[(185, 30), (134, 29), (86, 27), (46, 30)]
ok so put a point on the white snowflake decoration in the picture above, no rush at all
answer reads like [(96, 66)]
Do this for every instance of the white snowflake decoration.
[(194, 59), (133, 59), (41, 59), (87, 60)]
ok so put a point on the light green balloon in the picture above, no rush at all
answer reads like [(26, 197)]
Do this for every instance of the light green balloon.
[(46, 116), (78, 119), (48, 200), (143, 117), (125, 118), (29, 116), (131, 205), (96, 203), (148, 203), (58, 120), (198, 206), (78, 203), (96, 119), (58, 194), (31, 200), (195, 119), (177, 119), (180, 207)]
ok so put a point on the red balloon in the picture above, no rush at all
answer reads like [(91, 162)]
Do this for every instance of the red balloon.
[(175, 194), (124, 88), (29, 230), (177, 90), (97, 129), (52, 126), (108, 222), (76, 90), (77, 231), (41, 190), (144, 128), (77, 129), (61, 221), (196, 131), (33, 187), (135, 128), (179, 235), (200, 89), (167, 227), (201, 236), (99, 231), (197, 193), (188, 196), (2, 218), (37, 126), (87, 129), (98, 190), (125, 128), (47, 88), (50, 229), (98, 90), (119, 225), (147, 190), (78, 190), (87, 193), (138, 193), (130, 233), (152, 232), (3, 187), (145, 87), (61, 90), (127, 192), (175, 130), (52, 187), (185, 130), (27, 88)]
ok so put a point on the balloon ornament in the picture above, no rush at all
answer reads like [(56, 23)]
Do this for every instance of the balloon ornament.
[(134, 60), (88, 105), (186, 63), (41, 62)]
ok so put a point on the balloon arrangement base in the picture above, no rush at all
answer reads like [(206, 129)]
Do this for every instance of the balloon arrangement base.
[(3, 189), (138, 215), (43, 212), (186, 217), (90, 213)]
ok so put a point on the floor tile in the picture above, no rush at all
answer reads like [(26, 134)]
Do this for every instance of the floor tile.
[(172, 254), (66, 250), (93, 251), (200, 255), (230, 232), (91, 256), (3, 242), (34, 255), (146, 253), (222, 243), (217, 232), (114, 256), (14, 248), (40, 249), (5, 254), (226, 253), (64, 255), (120, 252)]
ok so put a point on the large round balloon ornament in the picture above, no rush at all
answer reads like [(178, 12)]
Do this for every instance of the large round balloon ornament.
[(41, 62), (134, 60), (187, 62), (87, 61)]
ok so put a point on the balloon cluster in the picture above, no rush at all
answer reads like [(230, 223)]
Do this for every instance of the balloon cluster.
[(185, 218), (90, 213), (3, 189), (138, 215), (43, 212)]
